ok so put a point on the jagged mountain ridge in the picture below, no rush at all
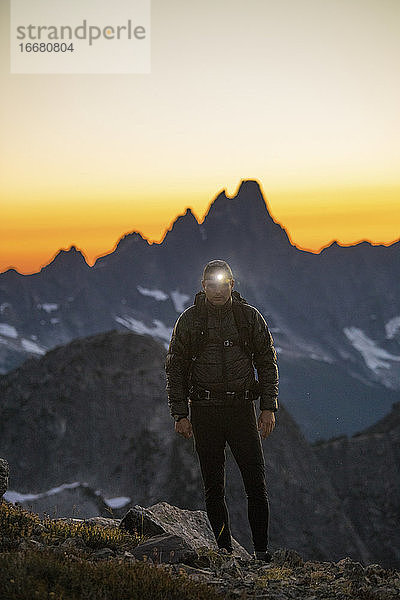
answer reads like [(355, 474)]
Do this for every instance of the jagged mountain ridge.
[(336, 312)]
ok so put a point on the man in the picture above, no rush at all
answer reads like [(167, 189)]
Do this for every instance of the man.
[(215, 345)]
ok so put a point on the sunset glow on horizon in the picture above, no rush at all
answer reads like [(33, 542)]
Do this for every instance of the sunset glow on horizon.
[(310, 224), (301, 95)]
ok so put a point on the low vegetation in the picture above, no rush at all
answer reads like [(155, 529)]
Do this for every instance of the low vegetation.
[(57, 559)]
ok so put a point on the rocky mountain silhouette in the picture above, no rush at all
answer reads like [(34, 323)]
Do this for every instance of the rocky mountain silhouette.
[(334, 316)]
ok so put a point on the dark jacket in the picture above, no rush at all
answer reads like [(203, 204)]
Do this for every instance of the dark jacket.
[(220, 368)]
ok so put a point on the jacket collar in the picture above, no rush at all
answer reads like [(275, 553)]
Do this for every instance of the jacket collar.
[(219, 310)]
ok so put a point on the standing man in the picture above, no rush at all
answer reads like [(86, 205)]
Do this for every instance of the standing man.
[(215, 345)]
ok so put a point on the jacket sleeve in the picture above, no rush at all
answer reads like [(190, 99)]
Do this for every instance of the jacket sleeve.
[(265, 361), (177, 365)]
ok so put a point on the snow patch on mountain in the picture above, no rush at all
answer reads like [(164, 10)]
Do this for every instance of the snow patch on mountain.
[(159, 330), (118, 502), (47, 306), (375, 358), (8, 330), (13, 497), (298, 347), (320, 357), (156, 294), (392, 327), (179, 300), (32, 347)]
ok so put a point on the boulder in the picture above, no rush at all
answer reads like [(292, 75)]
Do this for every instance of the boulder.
[(191, 526)]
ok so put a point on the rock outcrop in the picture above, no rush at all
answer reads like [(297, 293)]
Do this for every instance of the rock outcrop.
[(162, 519)]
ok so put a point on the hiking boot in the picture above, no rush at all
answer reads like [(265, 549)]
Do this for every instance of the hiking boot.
[(263, 555)]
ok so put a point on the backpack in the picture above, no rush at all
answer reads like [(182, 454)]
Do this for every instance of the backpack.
[(200, 324), (200, 331)]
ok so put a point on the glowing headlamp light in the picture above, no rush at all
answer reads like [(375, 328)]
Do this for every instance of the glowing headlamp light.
[(219, 277)]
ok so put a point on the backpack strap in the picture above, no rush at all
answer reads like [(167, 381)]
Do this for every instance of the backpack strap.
[(200, 332), (245, 337), (242, 323)]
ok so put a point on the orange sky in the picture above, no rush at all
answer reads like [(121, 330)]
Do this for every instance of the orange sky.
[(263, 92)]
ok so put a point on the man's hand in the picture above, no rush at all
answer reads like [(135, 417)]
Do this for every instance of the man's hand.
[(266, 422), (184, 427)]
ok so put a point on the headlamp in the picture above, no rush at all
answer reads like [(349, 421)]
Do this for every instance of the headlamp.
[(219, 277)]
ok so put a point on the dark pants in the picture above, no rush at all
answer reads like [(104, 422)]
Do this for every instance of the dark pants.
[(236, 424)]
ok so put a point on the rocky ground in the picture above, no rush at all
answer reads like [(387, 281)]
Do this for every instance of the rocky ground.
[(181, 543), (286, 577)]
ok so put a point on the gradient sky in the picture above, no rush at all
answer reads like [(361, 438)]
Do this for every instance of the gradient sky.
[(302, 95)]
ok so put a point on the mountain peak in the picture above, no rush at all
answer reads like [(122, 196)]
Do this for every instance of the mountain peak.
[(133, 237), (247, 203), (187, 216), (250, 193), (185, 222), (67, 259), (251, 186)]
